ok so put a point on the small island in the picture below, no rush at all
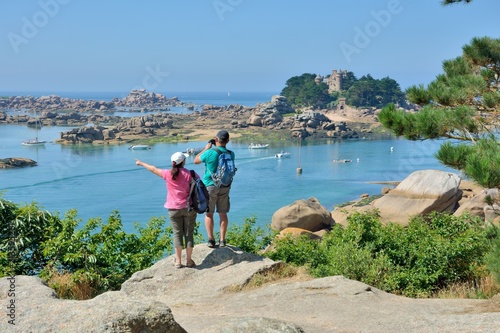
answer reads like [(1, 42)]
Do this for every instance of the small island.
[(16, 162)]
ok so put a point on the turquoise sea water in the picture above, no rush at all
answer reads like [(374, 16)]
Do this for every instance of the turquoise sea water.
[(96, 180)]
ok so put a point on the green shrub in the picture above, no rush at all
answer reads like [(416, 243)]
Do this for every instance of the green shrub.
[(435, 251), (429, 254), (99, 256), (249, 238), (298, 251), (23, 229), (493, 257), (103, 253)]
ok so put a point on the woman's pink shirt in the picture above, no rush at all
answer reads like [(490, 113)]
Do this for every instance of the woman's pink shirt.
[(177, 190)]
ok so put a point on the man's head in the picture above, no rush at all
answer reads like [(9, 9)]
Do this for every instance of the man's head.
[(223, 137)]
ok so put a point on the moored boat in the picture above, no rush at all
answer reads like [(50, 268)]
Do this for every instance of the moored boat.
[(139, 147), (258, 146), (282, 154), (35, 141)]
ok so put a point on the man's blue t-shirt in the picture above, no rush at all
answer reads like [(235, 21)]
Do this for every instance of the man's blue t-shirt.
[(210, 157)]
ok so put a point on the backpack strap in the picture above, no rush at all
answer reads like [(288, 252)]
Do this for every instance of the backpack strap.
[(220, 152), (191, 188)]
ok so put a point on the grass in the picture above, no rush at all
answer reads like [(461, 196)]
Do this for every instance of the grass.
[(67, 288), (367, 200), (281, 272), (360, 203), (482, 289)]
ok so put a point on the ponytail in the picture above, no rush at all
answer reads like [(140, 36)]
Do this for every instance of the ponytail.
[(175, 169)]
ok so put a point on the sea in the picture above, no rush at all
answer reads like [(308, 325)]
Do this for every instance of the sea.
[(98, 180)]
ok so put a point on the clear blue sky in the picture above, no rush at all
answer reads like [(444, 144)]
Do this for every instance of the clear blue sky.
[(228, 45)]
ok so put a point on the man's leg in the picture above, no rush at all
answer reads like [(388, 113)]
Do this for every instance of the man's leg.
[(223, 225), (209, 225), (209, 216)]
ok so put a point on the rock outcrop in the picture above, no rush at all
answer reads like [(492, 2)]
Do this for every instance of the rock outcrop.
[(37, 309), (421, 192), (425, 191), (308, 123), (16, 162), (275, 115), (128, 128), (212, 298), (485, 205), (137, 100), (304, 214)]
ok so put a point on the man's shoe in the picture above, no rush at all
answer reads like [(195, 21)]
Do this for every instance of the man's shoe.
[(222, 243), (211, 243)]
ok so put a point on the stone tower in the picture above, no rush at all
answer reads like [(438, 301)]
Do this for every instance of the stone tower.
[(335, 80)]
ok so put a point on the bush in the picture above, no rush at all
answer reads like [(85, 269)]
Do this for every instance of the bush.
[(431, 253), (95, 258), (435, 251), (249, 238), (102, 254), (493, 257), (23, 229)]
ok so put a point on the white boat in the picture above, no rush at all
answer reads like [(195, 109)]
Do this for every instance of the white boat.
[(258, 146), (193, 151), (342, 160), (139, 147), (35, 141), (282, 154)]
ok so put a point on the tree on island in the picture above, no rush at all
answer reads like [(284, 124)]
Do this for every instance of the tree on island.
[(461, 104), (369, 92), (306, 91), (303, 91)]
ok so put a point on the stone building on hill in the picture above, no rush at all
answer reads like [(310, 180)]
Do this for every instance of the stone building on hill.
[(334, 81)]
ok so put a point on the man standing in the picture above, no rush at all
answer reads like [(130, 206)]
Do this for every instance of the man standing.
[(219, 195)]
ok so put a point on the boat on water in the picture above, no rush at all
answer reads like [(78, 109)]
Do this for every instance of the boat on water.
[(342, 160), (139, 147), (282, 154), (35, 141), (193, 151), (258, 146)]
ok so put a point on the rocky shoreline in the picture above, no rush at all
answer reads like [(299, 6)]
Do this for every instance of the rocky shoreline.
[(159, 123)]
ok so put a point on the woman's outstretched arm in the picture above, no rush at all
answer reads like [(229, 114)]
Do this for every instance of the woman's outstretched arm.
[(149, 167)]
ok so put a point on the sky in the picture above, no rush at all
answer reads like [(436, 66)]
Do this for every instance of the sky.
[(228, 45)]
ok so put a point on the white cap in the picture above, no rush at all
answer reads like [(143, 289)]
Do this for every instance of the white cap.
[(178, 158)]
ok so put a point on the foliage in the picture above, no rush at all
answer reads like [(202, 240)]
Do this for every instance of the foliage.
[(23, 229), (347, 81), (460, 104), (248, 237), (367, 92), (431, 253), (483, 163), (303, 91), (493, 257), (103, 253), (98, 255)]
